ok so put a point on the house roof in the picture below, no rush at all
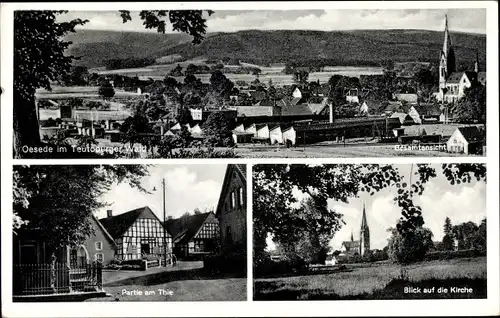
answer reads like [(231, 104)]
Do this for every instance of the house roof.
[(471, 133), (317, 108), (119, 224), (241, 170), (106, 233), (411, 98), (260, 126), (428, 110), (351, 245), (184, 229), (265, 102), (296, 110), (455, 77), (400, 116)]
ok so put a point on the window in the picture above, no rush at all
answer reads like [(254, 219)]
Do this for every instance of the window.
[(233, 199), (241, 200), (99, 257), (98, 246)]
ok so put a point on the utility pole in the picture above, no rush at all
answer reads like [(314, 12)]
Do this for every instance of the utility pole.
[(164, 226)]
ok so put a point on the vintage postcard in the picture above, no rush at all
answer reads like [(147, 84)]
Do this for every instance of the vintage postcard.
[(250, 158)]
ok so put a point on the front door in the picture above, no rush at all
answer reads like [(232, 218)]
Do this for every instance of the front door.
[(78, 257)]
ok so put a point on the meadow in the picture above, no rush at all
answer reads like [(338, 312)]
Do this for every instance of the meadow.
[(381, 281), (158, 72)]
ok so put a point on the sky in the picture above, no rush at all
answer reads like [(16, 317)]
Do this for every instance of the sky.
[(187, 187), (461, 203), (461, 20)]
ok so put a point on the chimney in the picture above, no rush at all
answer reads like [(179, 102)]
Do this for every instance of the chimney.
[(331, 113), (110, 213)]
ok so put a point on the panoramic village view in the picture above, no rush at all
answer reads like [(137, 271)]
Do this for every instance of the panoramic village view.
[(129, 233), (124, 85), (410, 231)]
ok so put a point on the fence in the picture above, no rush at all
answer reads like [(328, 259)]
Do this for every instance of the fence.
[(42, 279)]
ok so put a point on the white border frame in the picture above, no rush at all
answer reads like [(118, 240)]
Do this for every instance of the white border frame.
[(489, 306)]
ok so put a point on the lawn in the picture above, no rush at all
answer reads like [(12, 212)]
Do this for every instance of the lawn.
[(381, 281), (188, 281), (333, 151)]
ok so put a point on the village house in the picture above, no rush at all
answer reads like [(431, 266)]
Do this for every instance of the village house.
[(232, 208), (194, 236), (138, 234), (262, 131), (467, 140), (404, 118), (425, 114), (289, 135), (275, 135), (77, 269)]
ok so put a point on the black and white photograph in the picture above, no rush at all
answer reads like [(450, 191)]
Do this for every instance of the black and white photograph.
[(369, 232), (129, 233), (249, 83)]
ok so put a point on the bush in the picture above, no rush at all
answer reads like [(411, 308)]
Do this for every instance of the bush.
[(232, 260), (410, 247), (133, 262)]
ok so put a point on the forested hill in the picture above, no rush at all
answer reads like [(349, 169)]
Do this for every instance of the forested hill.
[(262, 47)]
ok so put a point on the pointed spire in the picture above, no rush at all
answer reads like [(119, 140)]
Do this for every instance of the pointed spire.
[(352, 236), (364, 224), (447, 39)]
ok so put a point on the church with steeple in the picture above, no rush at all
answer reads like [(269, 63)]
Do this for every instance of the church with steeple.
[(360, 247), (452, 84)]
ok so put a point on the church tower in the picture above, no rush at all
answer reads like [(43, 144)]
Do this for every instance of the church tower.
[(446, 59), (364, 235)]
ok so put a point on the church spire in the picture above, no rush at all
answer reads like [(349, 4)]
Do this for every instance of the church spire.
[(363, 220), (352, 236), (447, 38), (364, 235)]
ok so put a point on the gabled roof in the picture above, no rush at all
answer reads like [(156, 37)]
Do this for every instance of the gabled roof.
[(106, 233), (430, 110), (317, 108), (260, 126), (119, 224), (241, 170), (471, 133), (184, 229), (273, 127), (455, 77), (351, 245)]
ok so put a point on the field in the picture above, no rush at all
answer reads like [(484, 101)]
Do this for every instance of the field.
[(158, 72), (382, 281), (185, 282)]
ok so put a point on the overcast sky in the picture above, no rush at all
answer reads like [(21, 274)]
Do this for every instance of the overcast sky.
[(461, 203), (464, 20), (188, 187)]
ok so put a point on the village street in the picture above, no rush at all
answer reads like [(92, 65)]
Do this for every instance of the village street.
[(187, 281)]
